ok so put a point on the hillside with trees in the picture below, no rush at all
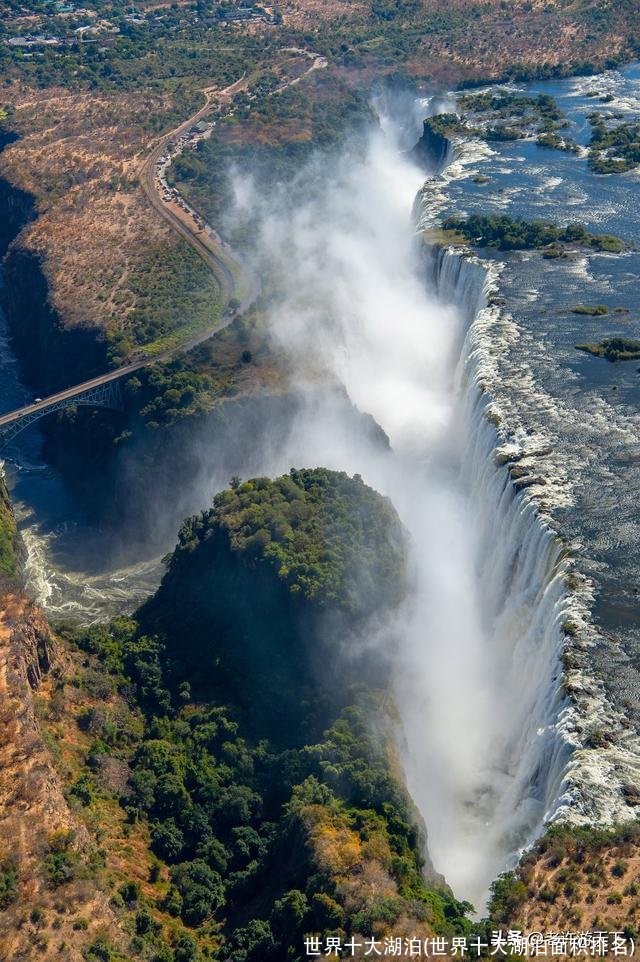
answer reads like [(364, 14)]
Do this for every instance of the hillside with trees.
[(234, 811), (9, 564)]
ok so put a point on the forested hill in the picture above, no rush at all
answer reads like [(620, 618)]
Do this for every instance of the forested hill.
[(269, 585), (258, 799)]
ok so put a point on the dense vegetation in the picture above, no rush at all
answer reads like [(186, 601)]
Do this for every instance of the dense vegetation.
[(258, 841), (613, 349), (554, 141), (198, 41), (614, 149), (508, 233), (309, 544), (330, 539), (158, 396), (173, 290), (191, 50), (499, 115), (166, 393), (507, 104), (8, 536)]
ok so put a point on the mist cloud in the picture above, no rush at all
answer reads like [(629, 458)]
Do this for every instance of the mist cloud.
[(349, 302)]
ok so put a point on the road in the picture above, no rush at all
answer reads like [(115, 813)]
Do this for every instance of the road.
[(205, 241)]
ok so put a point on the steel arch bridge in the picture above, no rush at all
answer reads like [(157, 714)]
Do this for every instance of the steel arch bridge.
[(105, 395)]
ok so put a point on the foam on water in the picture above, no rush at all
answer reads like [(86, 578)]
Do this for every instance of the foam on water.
[(559, 767), (500, 705)]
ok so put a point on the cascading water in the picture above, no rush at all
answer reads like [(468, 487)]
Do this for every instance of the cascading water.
[(489, 735), (505, 704), (480, 690), (478, 677)]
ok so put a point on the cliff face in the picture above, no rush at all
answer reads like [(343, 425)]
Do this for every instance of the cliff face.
[(38, 832), (431, 151), (16, 209), (9, 539), (271, 585), (51, 355)]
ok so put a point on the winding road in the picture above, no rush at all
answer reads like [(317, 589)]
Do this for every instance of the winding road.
[(205, 241)]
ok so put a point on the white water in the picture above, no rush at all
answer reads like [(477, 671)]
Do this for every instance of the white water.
[(480, 687), (477, 678), (45, 516), (486, 733)]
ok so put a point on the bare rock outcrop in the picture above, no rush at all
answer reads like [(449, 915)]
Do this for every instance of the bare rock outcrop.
[(35, 819)]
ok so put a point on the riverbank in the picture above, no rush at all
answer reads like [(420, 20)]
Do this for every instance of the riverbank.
[(562, 430)]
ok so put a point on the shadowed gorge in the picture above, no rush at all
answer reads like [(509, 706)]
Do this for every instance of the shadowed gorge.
[(343, 651), (257, 840)]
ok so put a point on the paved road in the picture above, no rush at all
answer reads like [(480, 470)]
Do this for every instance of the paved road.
[(206, 242)]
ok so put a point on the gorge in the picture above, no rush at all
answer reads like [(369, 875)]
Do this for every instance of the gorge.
[(414, 369)]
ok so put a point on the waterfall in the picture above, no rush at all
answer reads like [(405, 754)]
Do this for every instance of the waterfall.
[(540, 757), (489, 663), (503, 659)]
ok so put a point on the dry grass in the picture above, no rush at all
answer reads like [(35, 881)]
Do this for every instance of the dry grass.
[(79, 155), (33, 810), (594, 888), (497, 33)]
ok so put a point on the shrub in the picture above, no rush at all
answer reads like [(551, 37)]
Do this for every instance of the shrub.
[(201, 889), (61, 862), (8, 884), (100, 950), (507, 894), (146, 924), (130, 892)]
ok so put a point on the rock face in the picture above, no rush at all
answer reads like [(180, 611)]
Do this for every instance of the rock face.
[(431, 151), (52, 357), (33, 645), (16, 209), (33, 808)]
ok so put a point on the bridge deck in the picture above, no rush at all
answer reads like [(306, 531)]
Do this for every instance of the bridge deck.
[(70, 393)]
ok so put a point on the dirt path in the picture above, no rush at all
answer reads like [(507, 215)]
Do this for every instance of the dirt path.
[(206, 243), (205, 240)]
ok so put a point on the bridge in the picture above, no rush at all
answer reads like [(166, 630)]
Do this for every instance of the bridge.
[(105, 391), (101, 392)]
